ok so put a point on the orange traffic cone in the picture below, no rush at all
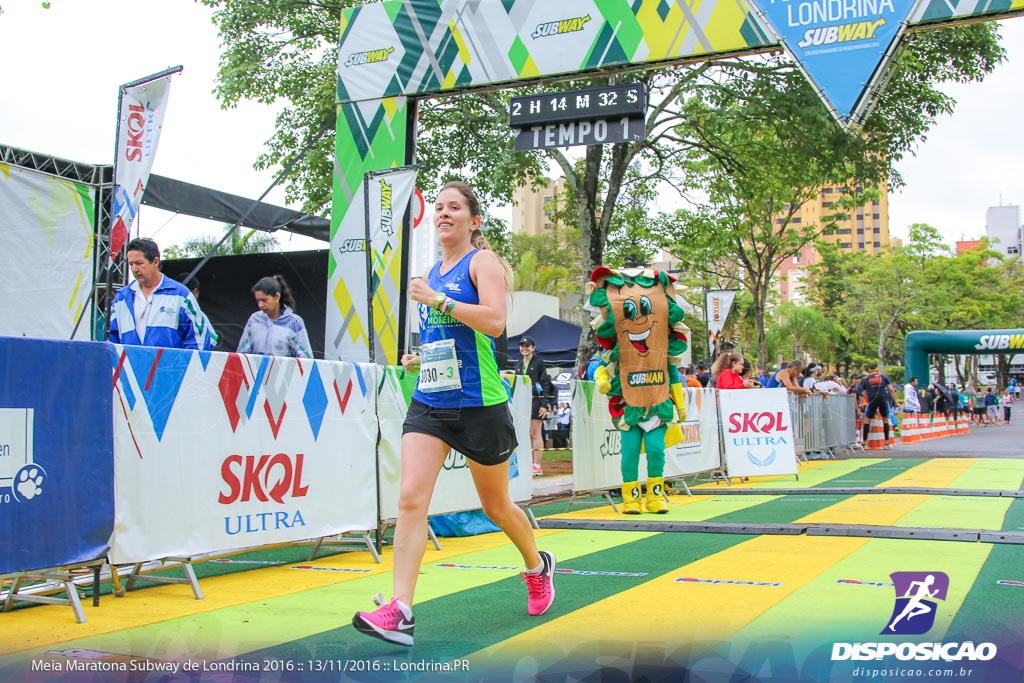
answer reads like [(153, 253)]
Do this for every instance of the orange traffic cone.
[(876, 435), (909, 433)]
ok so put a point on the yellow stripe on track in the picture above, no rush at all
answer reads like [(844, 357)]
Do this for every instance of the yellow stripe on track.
[(678, 612), (860, 612), (46, 625), (265, 607), (684, 508), (811, 474), (887, 508), (935, 473), (713, 613), (681, 508)]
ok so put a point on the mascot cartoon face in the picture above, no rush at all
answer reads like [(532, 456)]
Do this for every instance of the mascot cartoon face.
[(641, 312), (641, 327)]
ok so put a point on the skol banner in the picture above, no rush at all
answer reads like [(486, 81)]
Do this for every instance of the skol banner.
[(56, 453), (388, 198), (718, 304), (454, 491), (758, 432), (597, 444), (217, 451), (141, 110)]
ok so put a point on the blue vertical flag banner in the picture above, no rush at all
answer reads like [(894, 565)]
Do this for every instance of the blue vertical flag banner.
[(843, 46), (56, 453)]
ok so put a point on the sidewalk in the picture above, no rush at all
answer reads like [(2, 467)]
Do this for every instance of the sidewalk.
[(997, 441)]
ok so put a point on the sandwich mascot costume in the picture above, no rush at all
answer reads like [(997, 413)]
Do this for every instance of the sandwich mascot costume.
[(639, 326)]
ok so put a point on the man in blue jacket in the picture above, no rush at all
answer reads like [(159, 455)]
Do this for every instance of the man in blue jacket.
[(155, 310)]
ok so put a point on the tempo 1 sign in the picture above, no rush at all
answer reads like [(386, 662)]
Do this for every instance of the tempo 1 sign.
[(591, 116), (570, 133)]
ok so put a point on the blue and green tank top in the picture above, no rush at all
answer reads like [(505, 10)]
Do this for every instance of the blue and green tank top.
[(478, 366)]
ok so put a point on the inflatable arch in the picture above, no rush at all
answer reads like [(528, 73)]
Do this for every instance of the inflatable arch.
[(963, 342)]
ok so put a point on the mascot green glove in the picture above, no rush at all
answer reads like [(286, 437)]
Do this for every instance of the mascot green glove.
[(640, 327)]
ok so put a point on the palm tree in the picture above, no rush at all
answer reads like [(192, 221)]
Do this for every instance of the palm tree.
[(809, 331), (248, 242)]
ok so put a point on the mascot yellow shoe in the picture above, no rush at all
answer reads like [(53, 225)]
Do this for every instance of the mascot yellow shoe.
[(655, 500), (631, 498)]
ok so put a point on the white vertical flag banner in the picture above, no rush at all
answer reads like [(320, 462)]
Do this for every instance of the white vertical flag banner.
[(141, 108), (389, 194), (719, 303)]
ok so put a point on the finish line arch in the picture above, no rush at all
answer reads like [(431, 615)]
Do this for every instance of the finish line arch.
[(391, 53), (921, 343)]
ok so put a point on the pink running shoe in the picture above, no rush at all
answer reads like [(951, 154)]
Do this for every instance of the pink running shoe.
[(392, 622), (540, 587)]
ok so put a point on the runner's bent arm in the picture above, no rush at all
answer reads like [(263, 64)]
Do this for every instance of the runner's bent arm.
[(489, 277)]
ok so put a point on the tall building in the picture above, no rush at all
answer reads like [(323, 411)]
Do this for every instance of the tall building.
[(867, 229), (534, 208), (1003, 228)]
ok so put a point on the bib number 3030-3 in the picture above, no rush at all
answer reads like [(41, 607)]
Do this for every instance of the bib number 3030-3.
[(439, 369)]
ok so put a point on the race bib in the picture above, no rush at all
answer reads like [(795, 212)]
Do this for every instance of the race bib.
[(439, 369)]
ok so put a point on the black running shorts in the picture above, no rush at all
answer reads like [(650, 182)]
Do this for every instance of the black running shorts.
[(876, 406), (484, 435)]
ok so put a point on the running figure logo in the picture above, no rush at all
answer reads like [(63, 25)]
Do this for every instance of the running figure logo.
[(916, 606)]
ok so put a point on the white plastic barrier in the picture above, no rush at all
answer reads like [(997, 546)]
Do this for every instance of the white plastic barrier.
[(758, 435), (454, 491), (701, 446), (597, 446), (217, 451)]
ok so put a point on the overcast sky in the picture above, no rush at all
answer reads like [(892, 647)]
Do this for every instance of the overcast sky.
[(63, 66)]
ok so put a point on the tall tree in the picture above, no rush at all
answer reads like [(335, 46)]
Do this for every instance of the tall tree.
[(917, 286), (761, 146), (456, 132), (805, 329), (286, 51)]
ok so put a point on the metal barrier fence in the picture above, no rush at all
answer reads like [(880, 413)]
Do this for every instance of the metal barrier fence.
[(823, 422)]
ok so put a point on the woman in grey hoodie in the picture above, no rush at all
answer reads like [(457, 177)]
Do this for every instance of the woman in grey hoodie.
[(275, 329)]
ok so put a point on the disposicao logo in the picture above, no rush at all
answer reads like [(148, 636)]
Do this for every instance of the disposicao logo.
[(917, 594), (917, 601)]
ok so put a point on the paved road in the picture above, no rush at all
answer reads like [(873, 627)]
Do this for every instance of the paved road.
[(1000, 441)]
